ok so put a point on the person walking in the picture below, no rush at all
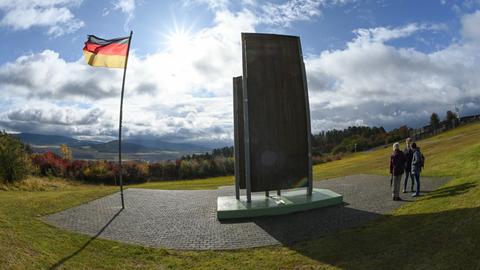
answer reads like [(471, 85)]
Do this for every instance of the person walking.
[(408, 152), (417, 164), (397, 167)]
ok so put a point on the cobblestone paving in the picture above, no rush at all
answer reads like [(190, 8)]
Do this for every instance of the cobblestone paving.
[(184, 219)]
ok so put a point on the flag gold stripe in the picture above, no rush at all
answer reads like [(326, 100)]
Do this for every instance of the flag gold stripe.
[(104, 60)]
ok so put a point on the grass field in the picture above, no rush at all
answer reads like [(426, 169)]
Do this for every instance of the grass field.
[(210, 183), (440, 231)]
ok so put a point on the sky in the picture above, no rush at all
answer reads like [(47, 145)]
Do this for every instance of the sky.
[(372, 62)]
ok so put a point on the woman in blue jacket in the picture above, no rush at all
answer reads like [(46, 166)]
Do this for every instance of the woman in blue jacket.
[(408, 152), (417, 164)]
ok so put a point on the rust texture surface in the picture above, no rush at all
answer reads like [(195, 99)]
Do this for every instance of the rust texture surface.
[(274, 85)]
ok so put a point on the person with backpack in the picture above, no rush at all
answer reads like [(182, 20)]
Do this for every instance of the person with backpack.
[(418, 161), (397, 167), (408, 152)]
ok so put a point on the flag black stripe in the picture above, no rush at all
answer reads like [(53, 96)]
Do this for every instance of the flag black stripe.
[(101, 41)]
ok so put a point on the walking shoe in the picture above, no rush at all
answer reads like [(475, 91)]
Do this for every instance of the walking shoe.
[(404, 191), (415, 195)]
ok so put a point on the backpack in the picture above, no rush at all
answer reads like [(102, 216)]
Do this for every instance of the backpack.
[(422, 160)]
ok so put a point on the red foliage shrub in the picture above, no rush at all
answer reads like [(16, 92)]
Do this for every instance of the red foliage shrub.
[(102, 171), (50, 164)]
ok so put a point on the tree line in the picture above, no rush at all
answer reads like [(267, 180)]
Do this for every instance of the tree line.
[(17, 159), (334, 142), (357, 138), (451, 120)]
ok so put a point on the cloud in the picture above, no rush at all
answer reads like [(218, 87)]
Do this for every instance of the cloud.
[(160, 99), (284, 14), (373, 83), (184, 92), (212, 4), (47, 118), (293, 10), (55, 15), (47, 76), (127, 7), (56, 116), (383, 34), (470, 30), (274, 13)]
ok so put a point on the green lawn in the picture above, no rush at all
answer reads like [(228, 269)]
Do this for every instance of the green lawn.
[(440, 231), (210, 183)]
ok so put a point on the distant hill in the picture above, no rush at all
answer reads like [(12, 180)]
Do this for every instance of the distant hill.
[(112, 147), (40, 139), (128, 146), (159, 144)]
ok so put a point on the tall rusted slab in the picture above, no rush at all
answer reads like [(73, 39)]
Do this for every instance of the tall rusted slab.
[(272, 132), (239, 134), (275, 114)]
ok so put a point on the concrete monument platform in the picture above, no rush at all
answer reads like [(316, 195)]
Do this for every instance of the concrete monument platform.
[(187, 219), (290, 201)]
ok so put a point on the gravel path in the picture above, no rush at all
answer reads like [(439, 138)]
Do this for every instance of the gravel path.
[(186, 219)]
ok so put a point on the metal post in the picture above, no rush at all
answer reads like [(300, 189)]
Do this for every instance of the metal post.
[(236, 148), (120, 122), (246, 125), (279, 193), (307, 115), (247, 148)]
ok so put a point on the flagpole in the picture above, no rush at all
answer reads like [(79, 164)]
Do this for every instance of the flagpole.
[(120, 122)]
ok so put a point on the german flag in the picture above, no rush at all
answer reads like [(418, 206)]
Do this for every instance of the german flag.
[(101, 52)]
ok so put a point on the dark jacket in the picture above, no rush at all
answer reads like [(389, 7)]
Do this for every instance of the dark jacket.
[(408, 152), (417, 161), (397, 163)]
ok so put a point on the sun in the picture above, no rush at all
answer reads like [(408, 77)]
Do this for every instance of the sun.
[(178, 38)]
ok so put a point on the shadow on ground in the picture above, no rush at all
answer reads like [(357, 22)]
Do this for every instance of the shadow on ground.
[(187, 220), (366, 204), (452, 190), (65, 259), (377, 241), (422, 241), (301, 226), (419, 241)]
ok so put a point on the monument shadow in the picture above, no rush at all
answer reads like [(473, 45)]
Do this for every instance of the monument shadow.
[(417, 241)]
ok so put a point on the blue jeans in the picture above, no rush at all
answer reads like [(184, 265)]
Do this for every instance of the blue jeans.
[(408, 173), (416, 177)]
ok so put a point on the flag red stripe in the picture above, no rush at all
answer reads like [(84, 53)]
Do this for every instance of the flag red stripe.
[(109, 49)]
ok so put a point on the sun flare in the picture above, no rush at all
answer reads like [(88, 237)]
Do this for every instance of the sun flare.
[(179, 39)]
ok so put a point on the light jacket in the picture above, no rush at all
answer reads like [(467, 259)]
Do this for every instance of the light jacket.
[(416, 161)]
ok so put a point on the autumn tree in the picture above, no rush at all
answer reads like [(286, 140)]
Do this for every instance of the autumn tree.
[(66, 152)]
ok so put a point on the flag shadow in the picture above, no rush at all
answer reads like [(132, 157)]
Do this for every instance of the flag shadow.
[(65, 259)]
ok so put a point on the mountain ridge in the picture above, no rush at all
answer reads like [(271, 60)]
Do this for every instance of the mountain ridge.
[(128, 145)]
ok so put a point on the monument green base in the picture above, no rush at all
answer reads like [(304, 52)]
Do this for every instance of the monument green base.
[(228, 207)]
